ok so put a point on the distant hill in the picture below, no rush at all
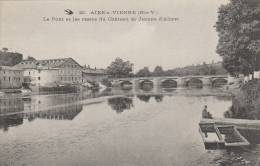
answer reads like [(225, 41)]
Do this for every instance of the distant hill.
[(10, 58), (202, 69)]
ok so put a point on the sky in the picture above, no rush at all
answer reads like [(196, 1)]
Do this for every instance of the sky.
[(190, 40)]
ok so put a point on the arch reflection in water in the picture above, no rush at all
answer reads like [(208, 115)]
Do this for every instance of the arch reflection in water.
[(158, 98), (120, 104), (146, 98)]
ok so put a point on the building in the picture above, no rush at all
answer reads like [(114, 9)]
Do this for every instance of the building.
[(52, 71), (69, 70), (97, 75), (257, 67), (10, 77), (41, 76)]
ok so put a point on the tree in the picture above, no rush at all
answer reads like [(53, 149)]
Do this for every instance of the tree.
[(144, 72), (9, 58), (158, 71), (120, 68), (238, 28), (30, 58), (5, 49)]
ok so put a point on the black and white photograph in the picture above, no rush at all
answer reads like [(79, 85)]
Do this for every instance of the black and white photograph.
[(130, 83)]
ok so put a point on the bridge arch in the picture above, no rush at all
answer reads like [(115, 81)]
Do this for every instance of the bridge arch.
[(126, 84), (219, 82), (194, 82), (146, 84), (168, 83)]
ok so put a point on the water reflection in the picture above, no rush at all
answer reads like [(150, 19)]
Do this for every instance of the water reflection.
[(120, 104), (11, 104), (158, 98), (59, 113), (14, 110), (168, 90), (146, 98), (68, 142), (10, 121)]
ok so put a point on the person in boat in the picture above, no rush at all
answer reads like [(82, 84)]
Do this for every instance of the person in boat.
[(205, 113)]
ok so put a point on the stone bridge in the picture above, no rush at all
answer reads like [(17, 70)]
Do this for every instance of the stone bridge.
[(173, 81)]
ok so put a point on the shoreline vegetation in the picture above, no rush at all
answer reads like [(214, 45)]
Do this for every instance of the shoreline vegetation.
[(245, 105), (246, 102)]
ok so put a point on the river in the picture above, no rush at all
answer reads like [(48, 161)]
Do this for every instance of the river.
[(113, 128)]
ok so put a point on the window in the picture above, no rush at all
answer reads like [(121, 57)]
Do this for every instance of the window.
[(39, 78)]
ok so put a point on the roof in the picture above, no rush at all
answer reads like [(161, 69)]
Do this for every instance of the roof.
[(53, 62), (9, 68), (49, 63), (26, 64)]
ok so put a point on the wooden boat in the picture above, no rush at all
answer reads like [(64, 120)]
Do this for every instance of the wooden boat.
[(219, 137), (231, 136), (210, 138)]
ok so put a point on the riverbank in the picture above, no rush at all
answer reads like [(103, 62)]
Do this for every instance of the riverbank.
[(245, 105), (249, 157)]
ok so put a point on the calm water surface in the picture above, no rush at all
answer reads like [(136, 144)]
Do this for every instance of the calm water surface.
[(129, 129)]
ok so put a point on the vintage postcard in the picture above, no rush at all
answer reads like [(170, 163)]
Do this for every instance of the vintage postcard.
[(130, 83)]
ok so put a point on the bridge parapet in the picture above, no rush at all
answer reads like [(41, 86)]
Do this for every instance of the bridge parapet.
[(181, 80)]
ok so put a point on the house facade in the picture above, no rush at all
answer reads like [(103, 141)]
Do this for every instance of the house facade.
[(69, 71), (41, 76), (10, 77), (51, 72)]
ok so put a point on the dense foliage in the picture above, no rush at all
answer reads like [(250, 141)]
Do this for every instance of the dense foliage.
[(120, 68), (238, 28), (246, 105), (9, 58), (144, 72)]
